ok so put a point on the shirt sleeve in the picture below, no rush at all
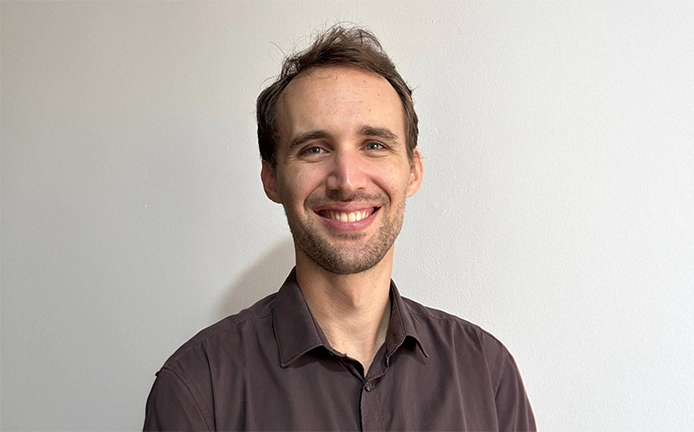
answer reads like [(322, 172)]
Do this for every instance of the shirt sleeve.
[(171, 406), (513, 407)]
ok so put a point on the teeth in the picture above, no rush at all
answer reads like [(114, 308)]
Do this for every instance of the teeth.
[(348, 217)]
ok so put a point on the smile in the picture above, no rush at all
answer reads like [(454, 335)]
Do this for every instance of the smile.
[(354, 216)]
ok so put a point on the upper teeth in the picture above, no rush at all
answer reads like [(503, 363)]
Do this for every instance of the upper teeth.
[(348, 217)]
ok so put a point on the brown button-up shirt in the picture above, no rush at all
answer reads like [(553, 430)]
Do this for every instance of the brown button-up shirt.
[(270, 367)]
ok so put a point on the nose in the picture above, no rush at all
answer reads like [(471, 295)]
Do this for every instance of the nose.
[(347, 172)]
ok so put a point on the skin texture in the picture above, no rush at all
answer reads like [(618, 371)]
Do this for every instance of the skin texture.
[(342, 149)]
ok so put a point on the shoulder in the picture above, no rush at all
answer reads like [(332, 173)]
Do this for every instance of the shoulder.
[(442, 331), (184, 390), (224, 336), (445, 322), (465, 348)]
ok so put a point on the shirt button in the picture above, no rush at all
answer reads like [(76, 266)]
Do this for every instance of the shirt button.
[(368, 387)]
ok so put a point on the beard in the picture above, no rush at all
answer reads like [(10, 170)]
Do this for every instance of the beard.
[(348, 256)]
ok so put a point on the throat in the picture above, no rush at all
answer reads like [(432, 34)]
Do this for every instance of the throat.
[(352, 310), (357, 338)]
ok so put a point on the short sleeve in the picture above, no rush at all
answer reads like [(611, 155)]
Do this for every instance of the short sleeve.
[(171, 406)]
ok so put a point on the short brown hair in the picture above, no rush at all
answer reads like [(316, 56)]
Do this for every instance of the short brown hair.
[(338, 46)]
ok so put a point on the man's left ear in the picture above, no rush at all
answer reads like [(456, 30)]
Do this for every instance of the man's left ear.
[(416, 173), (267, 175)]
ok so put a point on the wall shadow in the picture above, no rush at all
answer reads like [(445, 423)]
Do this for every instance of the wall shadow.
[(263, 278)]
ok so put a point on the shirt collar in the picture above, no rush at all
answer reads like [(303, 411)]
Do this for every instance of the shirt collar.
[(298, 333), (295, 329), (401, 325)]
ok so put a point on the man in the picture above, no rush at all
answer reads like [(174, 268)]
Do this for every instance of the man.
[(338, 348)]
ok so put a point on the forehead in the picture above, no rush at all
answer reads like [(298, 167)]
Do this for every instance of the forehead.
[(339, 100)]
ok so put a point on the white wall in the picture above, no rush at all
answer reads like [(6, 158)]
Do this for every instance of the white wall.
[(556, 210)]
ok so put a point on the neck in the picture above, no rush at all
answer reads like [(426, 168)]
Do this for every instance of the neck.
[(352, 310)]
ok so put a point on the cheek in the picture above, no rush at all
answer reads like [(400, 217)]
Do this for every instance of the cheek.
[(395, 183), (296, 186)]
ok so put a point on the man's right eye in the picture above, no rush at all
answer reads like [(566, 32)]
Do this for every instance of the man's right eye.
[(314, 150)]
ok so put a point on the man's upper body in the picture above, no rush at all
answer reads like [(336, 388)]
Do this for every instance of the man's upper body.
[(338, 134), (271, 367)]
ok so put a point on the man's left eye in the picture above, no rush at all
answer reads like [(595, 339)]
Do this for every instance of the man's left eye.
[(374, 146)]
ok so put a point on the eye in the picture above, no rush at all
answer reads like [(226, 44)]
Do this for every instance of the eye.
[(374, 145), (314, 150)]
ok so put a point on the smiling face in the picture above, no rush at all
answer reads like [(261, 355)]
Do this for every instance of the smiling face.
[(342, 171)]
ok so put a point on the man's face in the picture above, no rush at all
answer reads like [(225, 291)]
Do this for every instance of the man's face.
[(342, 170)]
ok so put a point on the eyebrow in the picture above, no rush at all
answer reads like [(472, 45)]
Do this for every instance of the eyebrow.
[(378, 131), (308, 136)]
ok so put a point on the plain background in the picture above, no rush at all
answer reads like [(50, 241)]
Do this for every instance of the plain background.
[(556, 212)]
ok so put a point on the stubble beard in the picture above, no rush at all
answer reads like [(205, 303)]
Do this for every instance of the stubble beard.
[(352, 258)]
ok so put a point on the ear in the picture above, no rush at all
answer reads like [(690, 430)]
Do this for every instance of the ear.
[(268, 176), (416, 173)]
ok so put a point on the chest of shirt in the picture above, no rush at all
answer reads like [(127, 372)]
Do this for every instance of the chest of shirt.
[(320, 391)]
